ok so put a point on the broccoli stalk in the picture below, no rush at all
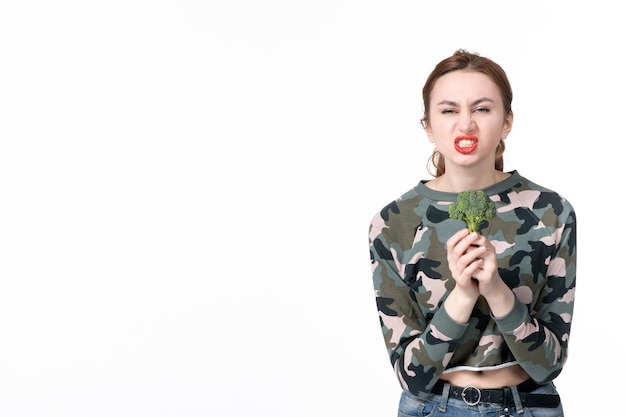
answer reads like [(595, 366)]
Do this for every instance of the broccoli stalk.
[(472, 206)]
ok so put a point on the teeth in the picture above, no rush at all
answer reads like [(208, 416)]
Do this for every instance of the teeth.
[(465, 143)]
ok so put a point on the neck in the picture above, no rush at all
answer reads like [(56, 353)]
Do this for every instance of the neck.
[(456, 182)]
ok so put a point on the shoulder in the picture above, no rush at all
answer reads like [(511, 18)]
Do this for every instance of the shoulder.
[(402, 212), (534, 196), (415, 201)]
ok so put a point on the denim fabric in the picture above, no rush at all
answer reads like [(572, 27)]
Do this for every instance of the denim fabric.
[(431, 405)]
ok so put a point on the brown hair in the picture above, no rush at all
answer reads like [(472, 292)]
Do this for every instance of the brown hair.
[(460, 60)]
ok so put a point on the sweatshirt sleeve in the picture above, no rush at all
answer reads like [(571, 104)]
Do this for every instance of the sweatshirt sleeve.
[(419, 347), (538, 337)]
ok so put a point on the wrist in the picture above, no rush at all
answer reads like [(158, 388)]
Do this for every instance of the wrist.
[(459, 305), (501, 302)]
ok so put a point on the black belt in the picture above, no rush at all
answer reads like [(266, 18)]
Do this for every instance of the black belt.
[(472, 395)]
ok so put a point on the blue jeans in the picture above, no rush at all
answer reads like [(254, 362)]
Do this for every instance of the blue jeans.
[(431, 405)]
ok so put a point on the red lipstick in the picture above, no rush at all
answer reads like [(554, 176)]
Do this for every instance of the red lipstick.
[(465, 144)]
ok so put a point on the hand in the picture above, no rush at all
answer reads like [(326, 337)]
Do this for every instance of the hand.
[(473, 263), (464, 260)]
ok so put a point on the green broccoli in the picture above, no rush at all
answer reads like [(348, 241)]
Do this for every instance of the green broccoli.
[(472, 206)]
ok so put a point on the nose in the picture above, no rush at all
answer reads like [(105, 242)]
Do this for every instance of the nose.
[(466, 122)]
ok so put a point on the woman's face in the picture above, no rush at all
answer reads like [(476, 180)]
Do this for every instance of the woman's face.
[(467, 119)]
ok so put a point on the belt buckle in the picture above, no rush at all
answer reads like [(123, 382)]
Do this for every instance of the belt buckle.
[(473, 393)]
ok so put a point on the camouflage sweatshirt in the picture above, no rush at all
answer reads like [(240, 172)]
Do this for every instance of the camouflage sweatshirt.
[(534, 234)]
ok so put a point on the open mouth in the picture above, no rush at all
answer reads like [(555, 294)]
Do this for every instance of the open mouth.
[(465, 144)]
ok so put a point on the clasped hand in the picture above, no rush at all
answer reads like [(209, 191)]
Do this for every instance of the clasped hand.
[(473, 264)]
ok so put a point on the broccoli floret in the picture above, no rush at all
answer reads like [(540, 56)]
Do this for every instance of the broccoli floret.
[(472, 206)]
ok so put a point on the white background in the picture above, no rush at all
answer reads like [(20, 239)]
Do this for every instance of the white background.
[(185, 190)]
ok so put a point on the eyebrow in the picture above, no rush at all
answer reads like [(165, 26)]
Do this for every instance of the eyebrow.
[(474, 103)]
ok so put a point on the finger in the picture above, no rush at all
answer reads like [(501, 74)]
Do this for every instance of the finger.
[(456, 238), (474, 239), (465, 279), (466, 243), (475, 267), (466, 262)]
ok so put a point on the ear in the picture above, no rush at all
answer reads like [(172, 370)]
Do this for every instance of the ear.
[(428, 130), (508, 125)]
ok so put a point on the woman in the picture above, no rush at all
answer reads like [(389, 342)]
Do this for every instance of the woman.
[(476, 324)]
